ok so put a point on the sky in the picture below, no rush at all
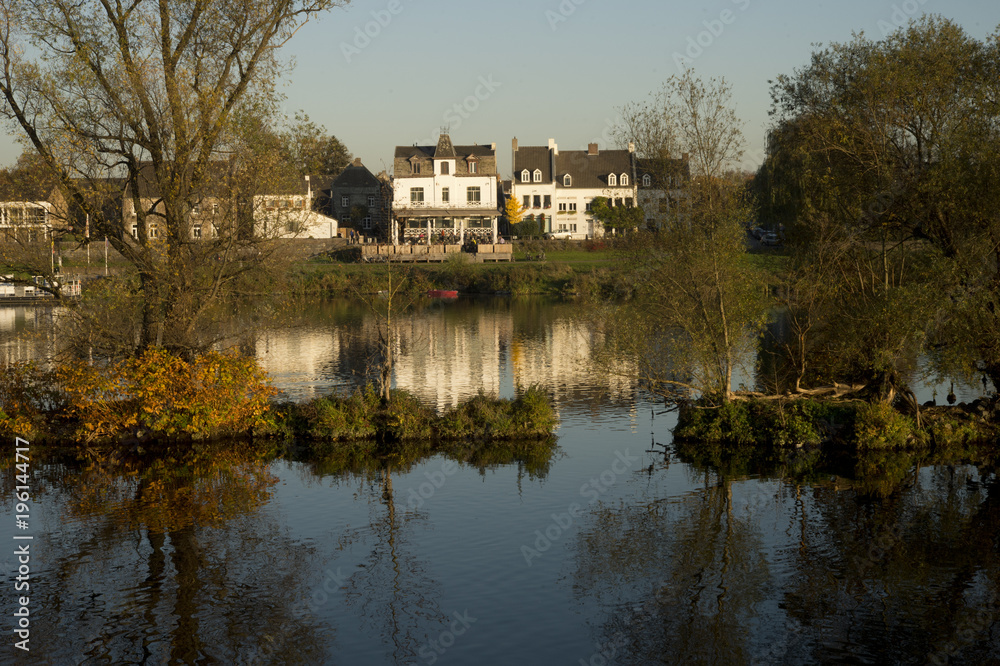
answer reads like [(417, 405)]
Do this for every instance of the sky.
[(382, 73)]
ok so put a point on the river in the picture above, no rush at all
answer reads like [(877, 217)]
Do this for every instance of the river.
[(620, 548)]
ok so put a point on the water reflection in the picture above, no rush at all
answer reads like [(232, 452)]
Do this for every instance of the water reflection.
[(750, 570)]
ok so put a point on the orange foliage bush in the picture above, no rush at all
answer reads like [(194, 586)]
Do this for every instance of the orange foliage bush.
[(213, 395)]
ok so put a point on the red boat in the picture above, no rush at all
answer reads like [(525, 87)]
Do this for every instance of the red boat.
[(442, 293)]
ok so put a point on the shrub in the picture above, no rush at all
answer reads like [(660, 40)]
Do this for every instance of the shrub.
[(879, 426), (26, 393), (213, 395)]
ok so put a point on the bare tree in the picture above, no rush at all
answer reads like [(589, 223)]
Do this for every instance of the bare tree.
[(149, 94)]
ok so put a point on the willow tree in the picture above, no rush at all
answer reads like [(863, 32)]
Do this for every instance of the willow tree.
[(147, 95)]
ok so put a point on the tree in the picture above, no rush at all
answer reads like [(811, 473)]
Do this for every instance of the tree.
[(698, 305), (150, 95), (887, 155), (312, 151), (619, 218), (514, 211)]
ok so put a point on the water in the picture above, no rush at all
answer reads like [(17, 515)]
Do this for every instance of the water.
[(622, 548)]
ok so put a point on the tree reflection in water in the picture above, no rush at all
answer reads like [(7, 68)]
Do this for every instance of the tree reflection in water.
[(803, 566), (164, 557)]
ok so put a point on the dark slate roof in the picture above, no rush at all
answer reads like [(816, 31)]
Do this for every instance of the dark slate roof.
[(427, 152), (150, 189), (592, 170), (444, 148), (354, 176), (658, 168), (531, 158)]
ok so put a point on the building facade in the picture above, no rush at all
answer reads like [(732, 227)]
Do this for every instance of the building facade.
[(445, 192), (361, 202), (557, 188)]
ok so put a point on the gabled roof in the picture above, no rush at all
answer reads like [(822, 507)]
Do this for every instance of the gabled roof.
[(531, 158), (354, 175), (659, 168), (591, 171)]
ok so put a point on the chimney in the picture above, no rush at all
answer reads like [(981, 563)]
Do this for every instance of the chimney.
[(357, 161), (631, 146), (493, 146), (592, 149), (513, 144)]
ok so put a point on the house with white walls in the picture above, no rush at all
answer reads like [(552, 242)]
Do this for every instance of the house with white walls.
[(557, 188), (445, 192)]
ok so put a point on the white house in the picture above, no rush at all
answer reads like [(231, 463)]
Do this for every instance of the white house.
[(446, 191), (558, 187)]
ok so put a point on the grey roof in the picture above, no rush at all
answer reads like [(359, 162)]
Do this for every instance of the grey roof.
[(444, 148), (659, 168), (355, 176), (427, 152), (531, 158), (591, 171)]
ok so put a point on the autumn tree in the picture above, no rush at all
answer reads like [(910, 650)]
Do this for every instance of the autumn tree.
[(148, 94)]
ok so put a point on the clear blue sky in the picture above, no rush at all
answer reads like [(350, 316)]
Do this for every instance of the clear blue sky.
[(555, 68)]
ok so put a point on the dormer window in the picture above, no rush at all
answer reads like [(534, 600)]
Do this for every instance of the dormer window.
[(623, 180), (646, 180), (473, 167), (525, 176), (538, 175), (415, 167), (567, 180), (612, 180), (444, 168)]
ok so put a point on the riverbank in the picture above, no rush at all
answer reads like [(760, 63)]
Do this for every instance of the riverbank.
[(566, 270), (161, 397), (849, 424)]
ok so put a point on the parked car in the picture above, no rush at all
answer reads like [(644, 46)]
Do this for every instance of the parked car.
[(757, 232), (771, 238), (558, 235)]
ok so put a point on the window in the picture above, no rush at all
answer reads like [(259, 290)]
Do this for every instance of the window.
[(135, 231), (345, 201), (154, 231), (624, 180), (537, 201), (416, 195), (196, 209), (562, 208), (527, 200), (444, 168), (445, 195), (366, 223), (371, 201), (525, 176), (589, 206), (196, 231), (415, 167), (612, 180), (472, 195), (473, 167), (538, 175), (646, 180), (215, 209), (548, 201), (572, 207), (567, 180)]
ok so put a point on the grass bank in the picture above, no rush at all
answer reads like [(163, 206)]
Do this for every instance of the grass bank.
[(849, 424), (567, 270), (363, 415)]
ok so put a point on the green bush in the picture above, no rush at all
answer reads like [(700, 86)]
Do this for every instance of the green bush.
[(879, 426)]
